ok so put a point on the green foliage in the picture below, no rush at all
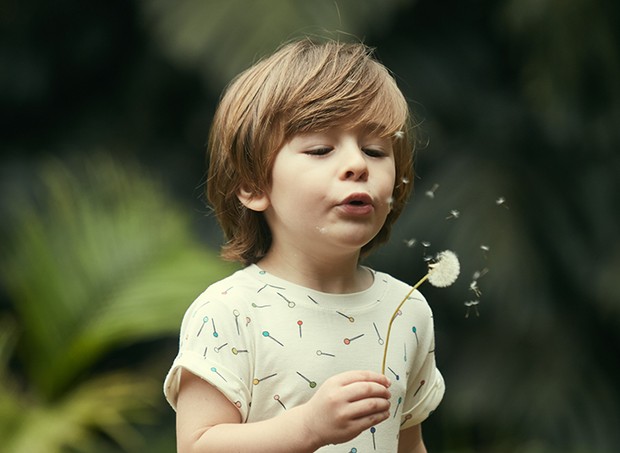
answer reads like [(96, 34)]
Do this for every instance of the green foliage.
[(95, 259), (223, 38)]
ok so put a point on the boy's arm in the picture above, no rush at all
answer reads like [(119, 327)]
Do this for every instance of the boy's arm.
[(410, 440), (349, 403)]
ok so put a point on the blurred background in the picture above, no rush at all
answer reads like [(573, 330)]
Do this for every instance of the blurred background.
[(105, 237)]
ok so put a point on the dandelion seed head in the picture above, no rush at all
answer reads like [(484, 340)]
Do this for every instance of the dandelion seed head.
[(405, 180), (472, 303), (390, 202), (410, 242), (485, 248), (500, 201), (399, 134), (445, 270)]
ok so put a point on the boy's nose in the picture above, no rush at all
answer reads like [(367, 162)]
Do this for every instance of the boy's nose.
[(354, 166)]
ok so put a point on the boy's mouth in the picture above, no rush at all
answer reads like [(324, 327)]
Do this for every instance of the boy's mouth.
[(357, 199)]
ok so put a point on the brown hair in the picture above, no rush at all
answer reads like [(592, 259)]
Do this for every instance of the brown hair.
[(303, 87)]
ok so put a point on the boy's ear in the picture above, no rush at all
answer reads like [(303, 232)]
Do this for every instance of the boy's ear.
[(255, 202)]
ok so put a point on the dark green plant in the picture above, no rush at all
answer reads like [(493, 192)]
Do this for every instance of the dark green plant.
[(94, 259)]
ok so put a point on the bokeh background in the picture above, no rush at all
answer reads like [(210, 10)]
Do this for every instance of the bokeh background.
[(105, 237)]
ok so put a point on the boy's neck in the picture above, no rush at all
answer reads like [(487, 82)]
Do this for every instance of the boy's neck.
[(341, 275)]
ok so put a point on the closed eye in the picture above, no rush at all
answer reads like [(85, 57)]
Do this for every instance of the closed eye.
[(318, 151), (374, 152)]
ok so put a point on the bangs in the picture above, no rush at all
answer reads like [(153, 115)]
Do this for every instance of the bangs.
[(334, 85)]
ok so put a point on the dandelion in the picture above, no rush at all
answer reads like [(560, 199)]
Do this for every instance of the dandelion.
[(399, 134), (473, 286), (426, 245), (501, 201), (442, 272), (410, 242), (472, 304), (481, 273), (431, 193), (454, 214)]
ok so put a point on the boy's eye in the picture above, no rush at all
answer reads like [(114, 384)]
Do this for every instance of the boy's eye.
[(318, 151), (374, 152)]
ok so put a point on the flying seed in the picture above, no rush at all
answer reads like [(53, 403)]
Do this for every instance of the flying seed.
[(431, 193), (454, 214)]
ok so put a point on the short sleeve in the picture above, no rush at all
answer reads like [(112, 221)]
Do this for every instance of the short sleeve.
[(426, 387), (215, 344)]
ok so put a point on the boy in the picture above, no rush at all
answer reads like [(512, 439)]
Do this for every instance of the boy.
[(310, 163)]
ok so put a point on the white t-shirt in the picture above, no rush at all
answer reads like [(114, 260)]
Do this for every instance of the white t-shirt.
[(268, 344)]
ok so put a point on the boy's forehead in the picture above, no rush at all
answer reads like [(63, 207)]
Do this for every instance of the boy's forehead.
[(359, 125)]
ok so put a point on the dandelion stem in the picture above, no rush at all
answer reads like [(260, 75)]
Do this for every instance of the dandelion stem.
[(387, 338)]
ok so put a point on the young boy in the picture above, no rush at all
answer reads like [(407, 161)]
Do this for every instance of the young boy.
[(310, 165)]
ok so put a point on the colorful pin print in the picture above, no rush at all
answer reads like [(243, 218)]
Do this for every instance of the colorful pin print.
[(414, 329), (201, 305), (266, 335), (407, 418), (290, 303), (422, 382), (204, 321), (204, 354), (379, 339), (300, 323), (316, 303), (236, 314), (373, 430), (353, 450), (350, 318), (394, 373), (348, 341), (400, 400), (236, 351), (217, 348), (257, 381), (215, 334), (398, 313), (217, 372), (277, 398), (247, 321), (238, 404), (405, 351), (312, 384), (270, 286), (225, 292), (320, 353), (259, 306)]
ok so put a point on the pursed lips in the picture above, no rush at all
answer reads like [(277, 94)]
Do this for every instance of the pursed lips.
[(357, 204), (357, 199)]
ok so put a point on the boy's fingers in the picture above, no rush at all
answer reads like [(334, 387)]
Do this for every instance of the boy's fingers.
[(349, 377)]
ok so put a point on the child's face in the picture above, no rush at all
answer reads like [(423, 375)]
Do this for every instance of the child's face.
[(331, 191)]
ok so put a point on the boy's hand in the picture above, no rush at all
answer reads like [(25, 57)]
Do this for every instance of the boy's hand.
[(345, 405)]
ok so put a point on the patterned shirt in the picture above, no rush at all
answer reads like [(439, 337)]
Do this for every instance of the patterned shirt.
[(268, 344)]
